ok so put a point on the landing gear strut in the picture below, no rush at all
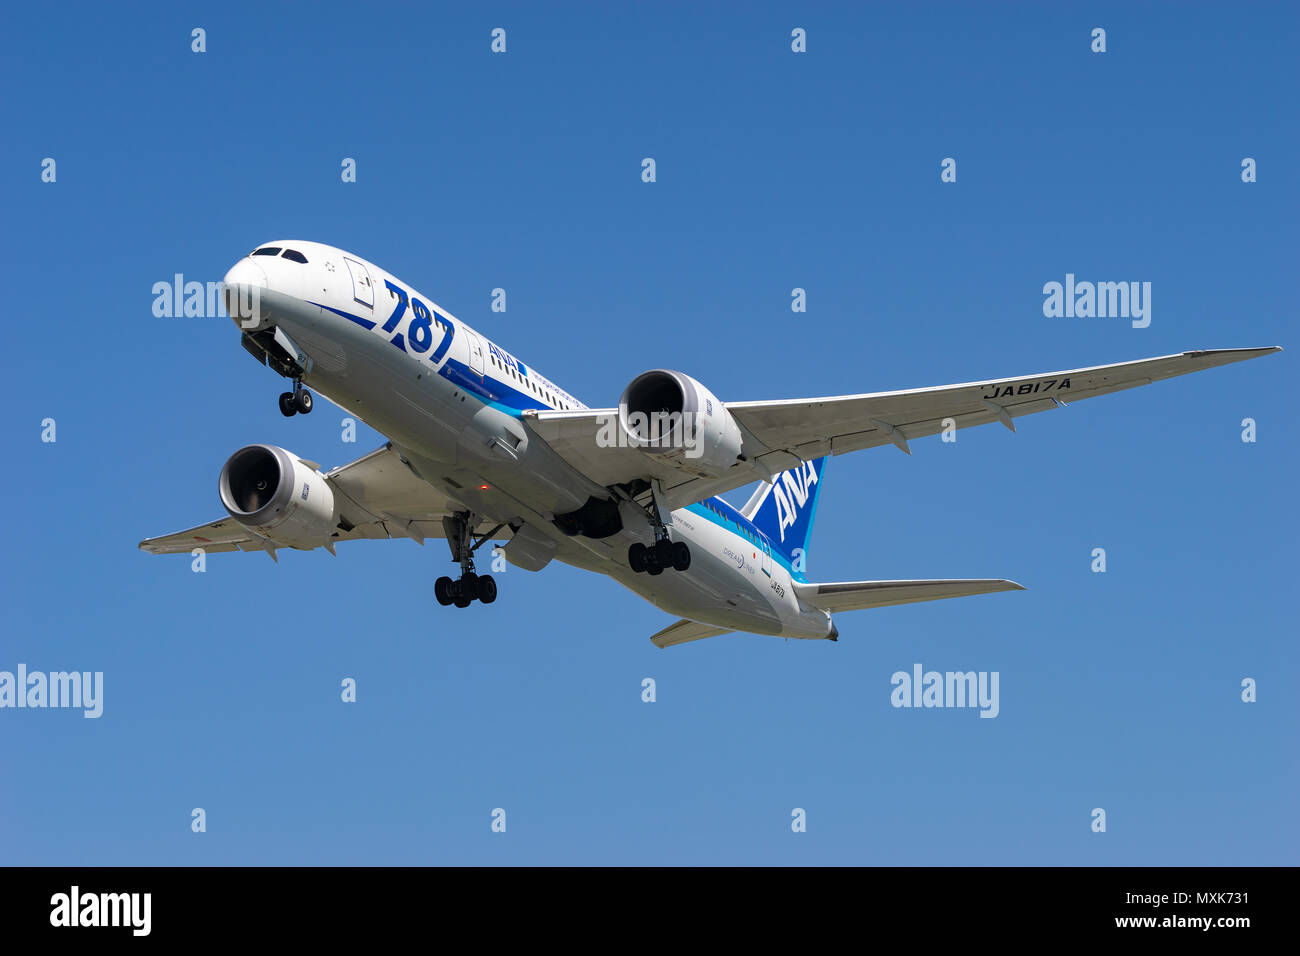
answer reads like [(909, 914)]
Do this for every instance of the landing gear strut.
[(664, 553), (469, 586), (299, 400)]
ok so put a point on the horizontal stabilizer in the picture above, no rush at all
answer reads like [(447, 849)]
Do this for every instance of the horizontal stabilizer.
[(684, 631), (859, 595)]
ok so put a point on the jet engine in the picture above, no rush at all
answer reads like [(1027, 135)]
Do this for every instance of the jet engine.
[(274, 494), (673, 417)]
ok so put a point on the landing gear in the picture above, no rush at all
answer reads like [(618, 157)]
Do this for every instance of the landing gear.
[(664, 553), (299, 400), (465, 590), (274, 347), (470, 586)]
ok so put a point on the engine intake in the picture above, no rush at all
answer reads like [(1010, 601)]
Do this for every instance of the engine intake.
[(271, 493), (672, 416)]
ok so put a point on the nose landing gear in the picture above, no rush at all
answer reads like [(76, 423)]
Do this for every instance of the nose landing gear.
[(274, 347), (299, 400)]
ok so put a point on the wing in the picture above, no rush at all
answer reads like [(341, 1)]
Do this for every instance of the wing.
[(684, 631), (859, 595), (378, 495), (781, 434)]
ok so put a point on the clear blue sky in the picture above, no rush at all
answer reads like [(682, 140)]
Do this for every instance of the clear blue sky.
[(775, 170)]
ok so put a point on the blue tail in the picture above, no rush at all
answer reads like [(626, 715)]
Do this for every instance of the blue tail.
[(786, 512)]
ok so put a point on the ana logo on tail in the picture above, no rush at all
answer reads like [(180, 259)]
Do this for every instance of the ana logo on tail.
[(792, 492)]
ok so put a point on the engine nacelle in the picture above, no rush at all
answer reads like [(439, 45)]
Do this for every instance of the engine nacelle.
[(272, 493), (673, 417)]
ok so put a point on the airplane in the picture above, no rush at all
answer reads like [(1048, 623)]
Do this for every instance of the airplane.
[(484, 448)]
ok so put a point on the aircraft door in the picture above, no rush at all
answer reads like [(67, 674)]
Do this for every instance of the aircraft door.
[(475, 352), (363, 290)]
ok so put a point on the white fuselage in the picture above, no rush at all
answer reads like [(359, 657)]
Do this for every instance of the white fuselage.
[(452, 401)]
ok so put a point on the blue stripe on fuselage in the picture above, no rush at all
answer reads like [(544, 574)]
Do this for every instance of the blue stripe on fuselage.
[(364, 323), (489, 390), (733, 521)]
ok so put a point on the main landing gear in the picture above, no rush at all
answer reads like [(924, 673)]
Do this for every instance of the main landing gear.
[(299, 400), (661, 555), (469, 586), (664, 553)]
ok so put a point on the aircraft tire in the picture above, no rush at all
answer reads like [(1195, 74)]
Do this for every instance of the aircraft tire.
[(442, 590), (681, 555), (636, 557)]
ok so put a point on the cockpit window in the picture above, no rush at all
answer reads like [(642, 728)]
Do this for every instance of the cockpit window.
[(267, 251), (294, 254)]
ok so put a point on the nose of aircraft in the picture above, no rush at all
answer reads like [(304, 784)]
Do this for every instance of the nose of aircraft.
[(244, 283), (246, 272)]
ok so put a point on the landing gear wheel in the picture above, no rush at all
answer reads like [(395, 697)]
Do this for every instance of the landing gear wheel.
[(655, 569), (463, 541), (664, 553), (681, 555), (288, 407), (636, 557), (302, 400), (442, 590)]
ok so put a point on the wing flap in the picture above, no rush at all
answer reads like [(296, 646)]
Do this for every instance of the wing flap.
[(383, 485), (223, 535)]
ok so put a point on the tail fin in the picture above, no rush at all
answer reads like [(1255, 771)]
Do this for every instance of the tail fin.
[(787, 508)]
